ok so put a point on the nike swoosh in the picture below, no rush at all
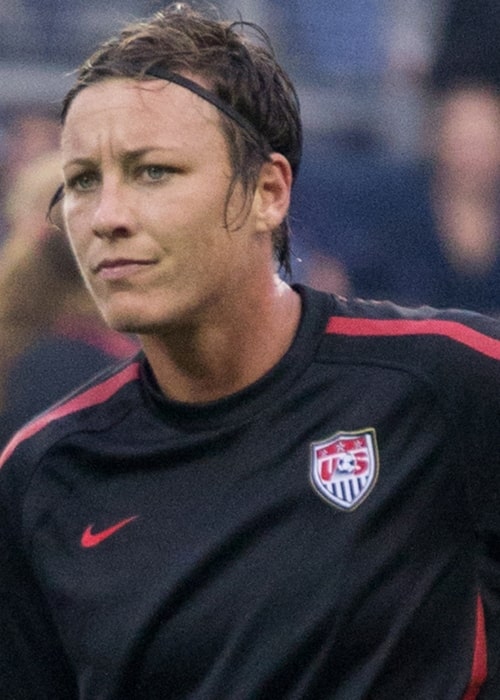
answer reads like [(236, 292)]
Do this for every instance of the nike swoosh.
[(91, 539)]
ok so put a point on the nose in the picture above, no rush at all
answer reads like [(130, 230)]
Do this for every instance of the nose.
[(111, 217)]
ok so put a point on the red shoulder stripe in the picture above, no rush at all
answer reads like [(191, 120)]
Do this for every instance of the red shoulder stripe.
[(95, 395), (479, 669), (451, 329)]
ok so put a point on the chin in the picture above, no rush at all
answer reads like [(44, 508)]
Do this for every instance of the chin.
[(139, 322), (126, 314), (144, 316), (125, 320), (132, 325)]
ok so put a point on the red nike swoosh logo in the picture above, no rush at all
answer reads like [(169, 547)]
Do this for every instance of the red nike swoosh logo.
[(91, 539)]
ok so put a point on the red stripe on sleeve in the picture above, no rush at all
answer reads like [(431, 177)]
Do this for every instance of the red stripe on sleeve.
[(451, 329), (97, 394), (479, 662)]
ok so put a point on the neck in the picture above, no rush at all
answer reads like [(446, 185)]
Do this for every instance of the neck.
[(207, 361)]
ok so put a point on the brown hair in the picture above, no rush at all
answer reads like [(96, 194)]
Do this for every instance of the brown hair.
[(242, 74)]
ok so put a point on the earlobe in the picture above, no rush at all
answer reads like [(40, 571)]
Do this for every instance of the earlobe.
[(273, 192)]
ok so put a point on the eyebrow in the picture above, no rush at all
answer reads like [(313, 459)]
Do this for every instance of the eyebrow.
[(124, 156)]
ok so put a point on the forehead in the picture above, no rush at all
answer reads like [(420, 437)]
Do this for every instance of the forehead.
[(140, 113)]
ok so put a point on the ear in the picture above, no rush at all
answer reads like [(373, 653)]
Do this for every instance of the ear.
[(272, 194)]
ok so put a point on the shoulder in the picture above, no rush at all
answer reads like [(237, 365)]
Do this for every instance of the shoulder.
[(457, 352), (99, 401), (416, 334), (43, 457), (371, 319)]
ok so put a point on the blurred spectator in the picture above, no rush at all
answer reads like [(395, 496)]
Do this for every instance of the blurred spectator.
[(467, 185), (426, 229), (28, 134), (370, 228), (469, 51), (31, 133), (51, 338)]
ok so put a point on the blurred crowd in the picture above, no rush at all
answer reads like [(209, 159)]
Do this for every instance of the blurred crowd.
[(398, 195), (416, 221)]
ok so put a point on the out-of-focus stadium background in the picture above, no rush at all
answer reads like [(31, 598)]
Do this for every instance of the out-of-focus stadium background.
[(398, 194), (358, 63), (372, 76)]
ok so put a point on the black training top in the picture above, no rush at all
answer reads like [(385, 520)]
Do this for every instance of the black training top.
[(330, 532)]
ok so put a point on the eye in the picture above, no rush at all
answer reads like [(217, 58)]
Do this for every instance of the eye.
[(155, 173), (83, 182)]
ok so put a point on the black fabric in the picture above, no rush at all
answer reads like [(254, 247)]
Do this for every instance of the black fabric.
[(185, 551)]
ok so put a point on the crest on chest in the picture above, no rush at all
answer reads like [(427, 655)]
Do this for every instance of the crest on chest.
[(344, 467)]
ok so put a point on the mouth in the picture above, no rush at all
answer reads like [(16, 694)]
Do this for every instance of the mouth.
[(118, 268)]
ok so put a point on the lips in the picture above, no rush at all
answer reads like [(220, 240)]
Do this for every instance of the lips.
[(118, 268), (119, 262)]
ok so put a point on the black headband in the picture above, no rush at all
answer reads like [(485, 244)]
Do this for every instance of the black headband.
[(225, 107)]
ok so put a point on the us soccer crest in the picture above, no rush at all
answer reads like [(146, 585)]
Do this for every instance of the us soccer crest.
[(344, 468)]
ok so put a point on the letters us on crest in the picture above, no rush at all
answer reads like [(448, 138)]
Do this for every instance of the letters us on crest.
[(344, 467)]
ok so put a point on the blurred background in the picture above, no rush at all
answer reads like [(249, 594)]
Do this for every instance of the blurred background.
[(399, 192)]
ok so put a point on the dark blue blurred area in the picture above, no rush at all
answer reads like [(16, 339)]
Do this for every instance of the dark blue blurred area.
[(344, 38), (59, 31), (375, 214)]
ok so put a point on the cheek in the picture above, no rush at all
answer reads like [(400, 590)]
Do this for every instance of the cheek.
[(74, 224), (191, 228)]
